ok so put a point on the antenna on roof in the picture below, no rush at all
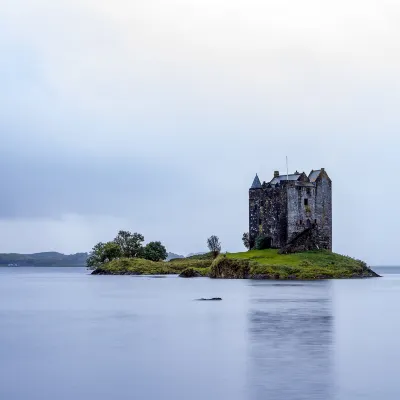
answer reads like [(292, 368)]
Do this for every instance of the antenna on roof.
[(287, 169)]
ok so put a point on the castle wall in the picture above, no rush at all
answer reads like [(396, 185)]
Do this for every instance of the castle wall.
[(268, 215), (323, 202), (255, 201), (275, 216), (281, 213), (301, 208), (309, 239)]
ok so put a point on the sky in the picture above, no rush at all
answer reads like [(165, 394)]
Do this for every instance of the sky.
[(154, 117)]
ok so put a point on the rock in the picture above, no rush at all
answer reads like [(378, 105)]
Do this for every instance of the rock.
[(212, 299), (190, 273), (226, 268)]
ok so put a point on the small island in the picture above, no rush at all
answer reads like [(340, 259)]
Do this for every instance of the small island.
[(289, 237), (253, 264)]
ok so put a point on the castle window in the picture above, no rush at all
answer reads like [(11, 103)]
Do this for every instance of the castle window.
[(308, 191), (301, 222), (259, 221), (306, 202), (315, 221)]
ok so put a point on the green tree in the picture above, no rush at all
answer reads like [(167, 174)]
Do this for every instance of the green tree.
[(246, 240), (103, 252), (155, 251), (214, 245), (131, 245), (111, 251), (95, 256)]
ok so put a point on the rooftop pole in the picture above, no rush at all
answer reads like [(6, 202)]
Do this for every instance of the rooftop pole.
[(287, 169)]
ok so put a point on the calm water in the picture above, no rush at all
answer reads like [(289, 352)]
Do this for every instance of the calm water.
[(66, 335)]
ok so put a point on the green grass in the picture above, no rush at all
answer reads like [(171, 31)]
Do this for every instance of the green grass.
[(269, 264), (139, 266), (255, 264), (321, 258)]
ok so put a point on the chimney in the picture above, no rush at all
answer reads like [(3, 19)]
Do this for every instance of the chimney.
[(322, 169), (276, 174)]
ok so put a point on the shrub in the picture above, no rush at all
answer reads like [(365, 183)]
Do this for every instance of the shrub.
[(246, 240), (262, 242), (214, 245)]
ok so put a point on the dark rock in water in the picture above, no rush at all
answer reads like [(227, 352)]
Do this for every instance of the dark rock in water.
[(212, 299), (190, 273), (101, 271), (371, 274)]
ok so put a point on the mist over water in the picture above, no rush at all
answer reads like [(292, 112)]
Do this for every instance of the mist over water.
[(67, 335)]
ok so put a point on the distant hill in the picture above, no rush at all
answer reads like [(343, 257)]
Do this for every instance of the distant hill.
[(54, 259), (196, 254), (173, 255), (46, 259)]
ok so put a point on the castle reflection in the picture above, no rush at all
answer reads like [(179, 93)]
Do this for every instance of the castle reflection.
[(290, 341)]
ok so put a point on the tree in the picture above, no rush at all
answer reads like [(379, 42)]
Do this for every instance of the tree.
[(95, 256), (130, 244), (246, 240), (214, 245), (155, 251), (111, 251), (103, 252)]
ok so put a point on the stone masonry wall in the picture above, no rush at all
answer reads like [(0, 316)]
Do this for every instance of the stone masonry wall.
[(309, 239), (284, 212), (255, 199), (268, 215), (323, 202), (275, 216), (300, 214)]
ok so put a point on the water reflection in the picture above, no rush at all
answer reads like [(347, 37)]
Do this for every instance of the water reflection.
[(290, 341)]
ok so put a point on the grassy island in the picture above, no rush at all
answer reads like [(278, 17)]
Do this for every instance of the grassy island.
[(254, 264), (139, 266), (269, 264)]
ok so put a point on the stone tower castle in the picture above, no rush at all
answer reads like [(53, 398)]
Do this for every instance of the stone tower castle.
[(293, 212)]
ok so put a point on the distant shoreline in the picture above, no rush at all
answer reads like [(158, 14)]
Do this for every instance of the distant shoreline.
[(43, 259)]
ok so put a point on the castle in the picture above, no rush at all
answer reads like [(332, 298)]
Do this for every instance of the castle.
[(292, 212)]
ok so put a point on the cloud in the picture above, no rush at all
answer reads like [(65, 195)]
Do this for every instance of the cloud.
[(158, 114)]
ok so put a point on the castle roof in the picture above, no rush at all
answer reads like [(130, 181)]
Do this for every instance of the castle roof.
[(290, 177), (314, 175), (300, 178), (256, 183)]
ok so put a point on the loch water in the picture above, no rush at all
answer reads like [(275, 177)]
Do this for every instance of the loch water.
[(67, 335)]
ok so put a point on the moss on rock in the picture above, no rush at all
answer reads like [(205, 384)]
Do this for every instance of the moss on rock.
[(194, 272), (223, 267)]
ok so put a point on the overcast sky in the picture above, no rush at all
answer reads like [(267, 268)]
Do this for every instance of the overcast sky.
[(154, 116)]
